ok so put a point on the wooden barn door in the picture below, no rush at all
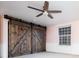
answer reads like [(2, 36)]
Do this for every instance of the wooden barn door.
[(19, 38), (38, 39)]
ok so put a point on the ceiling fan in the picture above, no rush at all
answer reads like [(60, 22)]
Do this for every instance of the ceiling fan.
[(45, 10)]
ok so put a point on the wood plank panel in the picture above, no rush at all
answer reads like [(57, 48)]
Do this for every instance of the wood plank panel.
[(25, 38), (19, 38), (38, 39), (1, 21)]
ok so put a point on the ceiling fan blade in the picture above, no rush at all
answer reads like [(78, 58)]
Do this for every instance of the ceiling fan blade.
[(35, 9), (39, 14), (49, 15), (46, 5), (54, 11)]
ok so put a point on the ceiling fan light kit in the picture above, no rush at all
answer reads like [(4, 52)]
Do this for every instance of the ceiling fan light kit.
[(45, 13), (45, 10)]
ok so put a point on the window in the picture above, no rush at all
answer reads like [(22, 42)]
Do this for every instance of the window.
[(65, 36)]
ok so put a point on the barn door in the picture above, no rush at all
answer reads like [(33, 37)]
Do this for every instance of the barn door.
[(19, 38), (38, 39)]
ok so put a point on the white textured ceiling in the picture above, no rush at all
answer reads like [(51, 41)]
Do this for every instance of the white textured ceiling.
[(70, 11)]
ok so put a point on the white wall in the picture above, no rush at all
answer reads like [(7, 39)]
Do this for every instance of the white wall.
[(4, 46), (52, 43), (0, 51)]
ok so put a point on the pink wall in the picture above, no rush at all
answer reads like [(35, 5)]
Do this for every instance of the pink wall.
[(52, 43), (49, 35), (1, 28)]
